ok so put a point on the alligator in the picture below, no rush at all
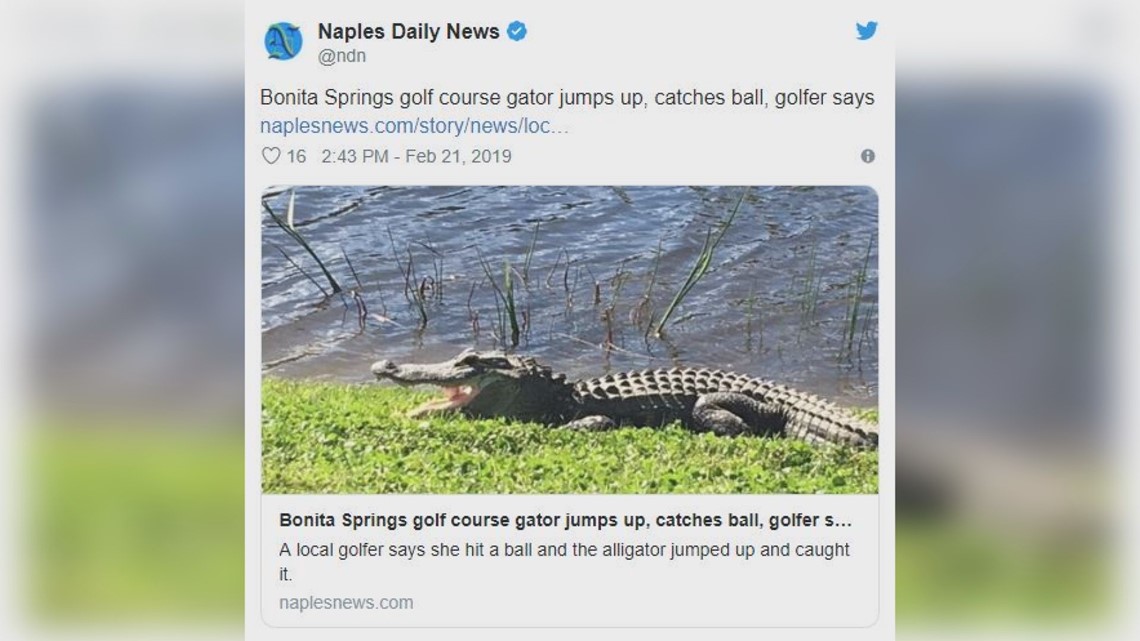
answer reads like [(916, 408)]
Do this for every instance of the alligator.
[(501, 385)]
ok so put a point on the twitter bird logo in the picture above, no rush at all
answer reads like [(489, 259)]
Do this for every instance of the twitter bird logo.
[(866, 31)]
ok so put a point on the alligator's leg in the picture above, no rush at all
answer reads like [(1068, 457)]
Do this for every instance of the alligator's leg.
[(596, 423), (730, 414)]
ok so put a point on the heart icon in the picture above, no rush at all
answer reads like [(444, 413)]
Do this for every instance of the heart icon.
[(271, 154)]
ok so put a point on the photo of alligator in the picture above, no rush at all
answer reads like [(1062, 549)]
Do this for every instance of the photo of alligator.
[(496, 384), (570, 340)]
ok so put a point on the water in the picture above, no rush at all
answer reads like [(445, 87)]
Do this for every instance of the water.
[(776, 301)]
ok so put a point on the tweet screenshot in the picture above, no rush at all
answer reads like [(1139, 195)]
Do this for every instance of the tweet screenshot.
[(574, 317)]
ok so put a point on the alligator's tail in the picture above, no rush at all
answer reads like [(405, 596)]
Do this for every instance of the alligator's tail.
[(819, 421)]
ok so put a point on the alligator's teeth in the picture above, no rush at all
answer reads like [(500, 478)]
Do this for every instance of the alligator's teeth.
[(453, 398), (459, 396)]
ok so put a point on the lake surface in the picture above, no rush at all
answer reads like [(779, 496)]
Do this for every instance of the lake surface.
[(790, 292)]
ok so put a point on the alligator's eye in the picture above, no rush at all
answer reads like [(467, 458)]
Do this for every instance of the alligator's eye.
[(470, 359), (497, 363)]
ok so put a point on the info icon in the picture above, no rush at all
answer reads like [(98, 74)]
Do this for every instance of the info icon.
[(283, 41)]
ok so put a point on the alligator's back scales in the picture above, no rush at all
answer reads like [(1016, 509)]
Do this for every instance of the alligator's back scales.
[(494, 384), (665, 395)]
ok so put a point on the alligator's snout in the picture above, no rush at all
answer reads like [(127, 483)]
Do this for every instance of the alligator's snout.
[(380, 368), (457, 389)]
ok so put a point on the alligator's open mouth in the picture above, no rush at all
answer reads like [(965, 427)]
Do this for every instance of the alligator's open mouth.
[(455, 382), (453, 399)]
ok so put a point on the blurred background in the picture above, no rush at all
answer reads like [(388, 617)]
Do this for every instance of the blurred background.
[(1011, 189), (123, 168), (127, 168)]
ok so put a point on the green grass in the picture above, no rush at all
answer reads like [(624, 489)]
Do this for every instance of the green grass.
[(950, 573), (326, 438), (135, 524)]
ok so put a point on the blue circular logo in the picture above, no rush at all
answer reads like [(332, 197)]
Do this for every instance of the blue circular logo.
[(283, 41)]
